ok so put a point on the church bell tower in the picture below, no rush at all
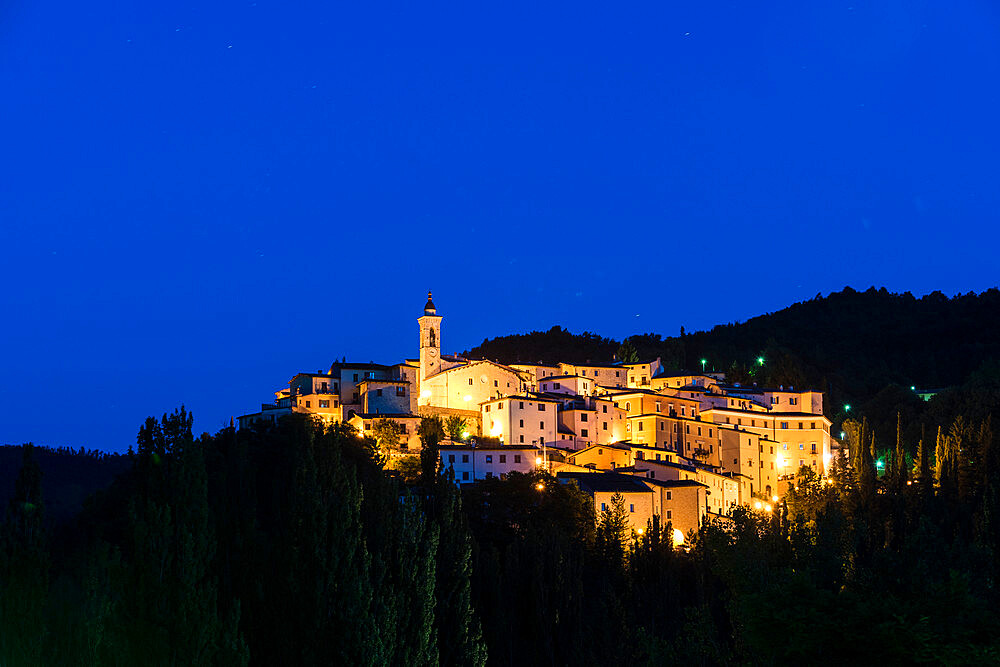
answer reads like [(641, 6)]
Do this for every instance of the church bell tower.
[(430, 340)]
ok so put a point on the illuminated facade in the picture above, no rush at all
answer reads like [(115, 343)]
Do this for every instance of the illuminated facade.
[(728, 444)]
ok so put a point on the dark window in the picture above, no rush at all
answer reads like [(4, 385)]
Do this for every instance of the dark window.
[(503, 458), (517, 457), (451, 458), (465, 458), (378, 392), (465, 475)]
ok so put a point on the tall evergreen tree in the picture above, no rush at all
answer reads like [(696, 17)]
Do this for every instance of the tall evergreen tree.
[(431, 432), (456, 624), (24, 569)]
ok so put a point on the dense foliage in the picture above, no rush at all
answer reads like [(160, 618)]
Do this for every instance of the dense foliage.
[(290, 545), (281, 546), (546, 347), (849, 344)]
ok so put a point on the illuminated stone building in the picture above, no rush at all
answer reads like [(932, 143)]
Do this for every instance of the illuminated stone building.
[(726, 444)]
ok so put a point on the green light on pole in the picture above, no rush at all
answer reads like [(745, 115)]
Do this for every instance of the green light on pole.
[(703, 362), (880, 464), (847, 407), (912, 388), (760, 360)]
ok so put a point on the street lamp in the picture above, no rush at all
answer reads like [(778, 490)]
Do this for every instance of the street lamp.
[(703, 362), (540, 486), (847, 407), (760, 360)]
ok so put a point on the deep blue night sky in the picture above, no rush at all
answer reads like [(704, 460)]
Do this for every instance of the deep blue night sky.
[(198, 200)]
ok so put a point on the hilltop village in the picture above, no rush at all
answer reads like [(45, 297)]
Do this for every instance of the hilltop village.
[(681, 445)]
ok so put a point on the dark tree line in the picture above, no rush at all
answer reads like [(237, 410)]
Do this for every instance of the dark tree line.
[(286, 545), (850, 344), (546, 347), (291, 544)]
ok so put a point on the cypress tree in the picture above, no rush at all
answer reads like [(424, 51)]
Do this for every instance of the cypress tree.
[(456, 624), (899, 461), (24, 569), (613, 531), (172, 598), (430, 431), (940, 460), (866, 472)]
